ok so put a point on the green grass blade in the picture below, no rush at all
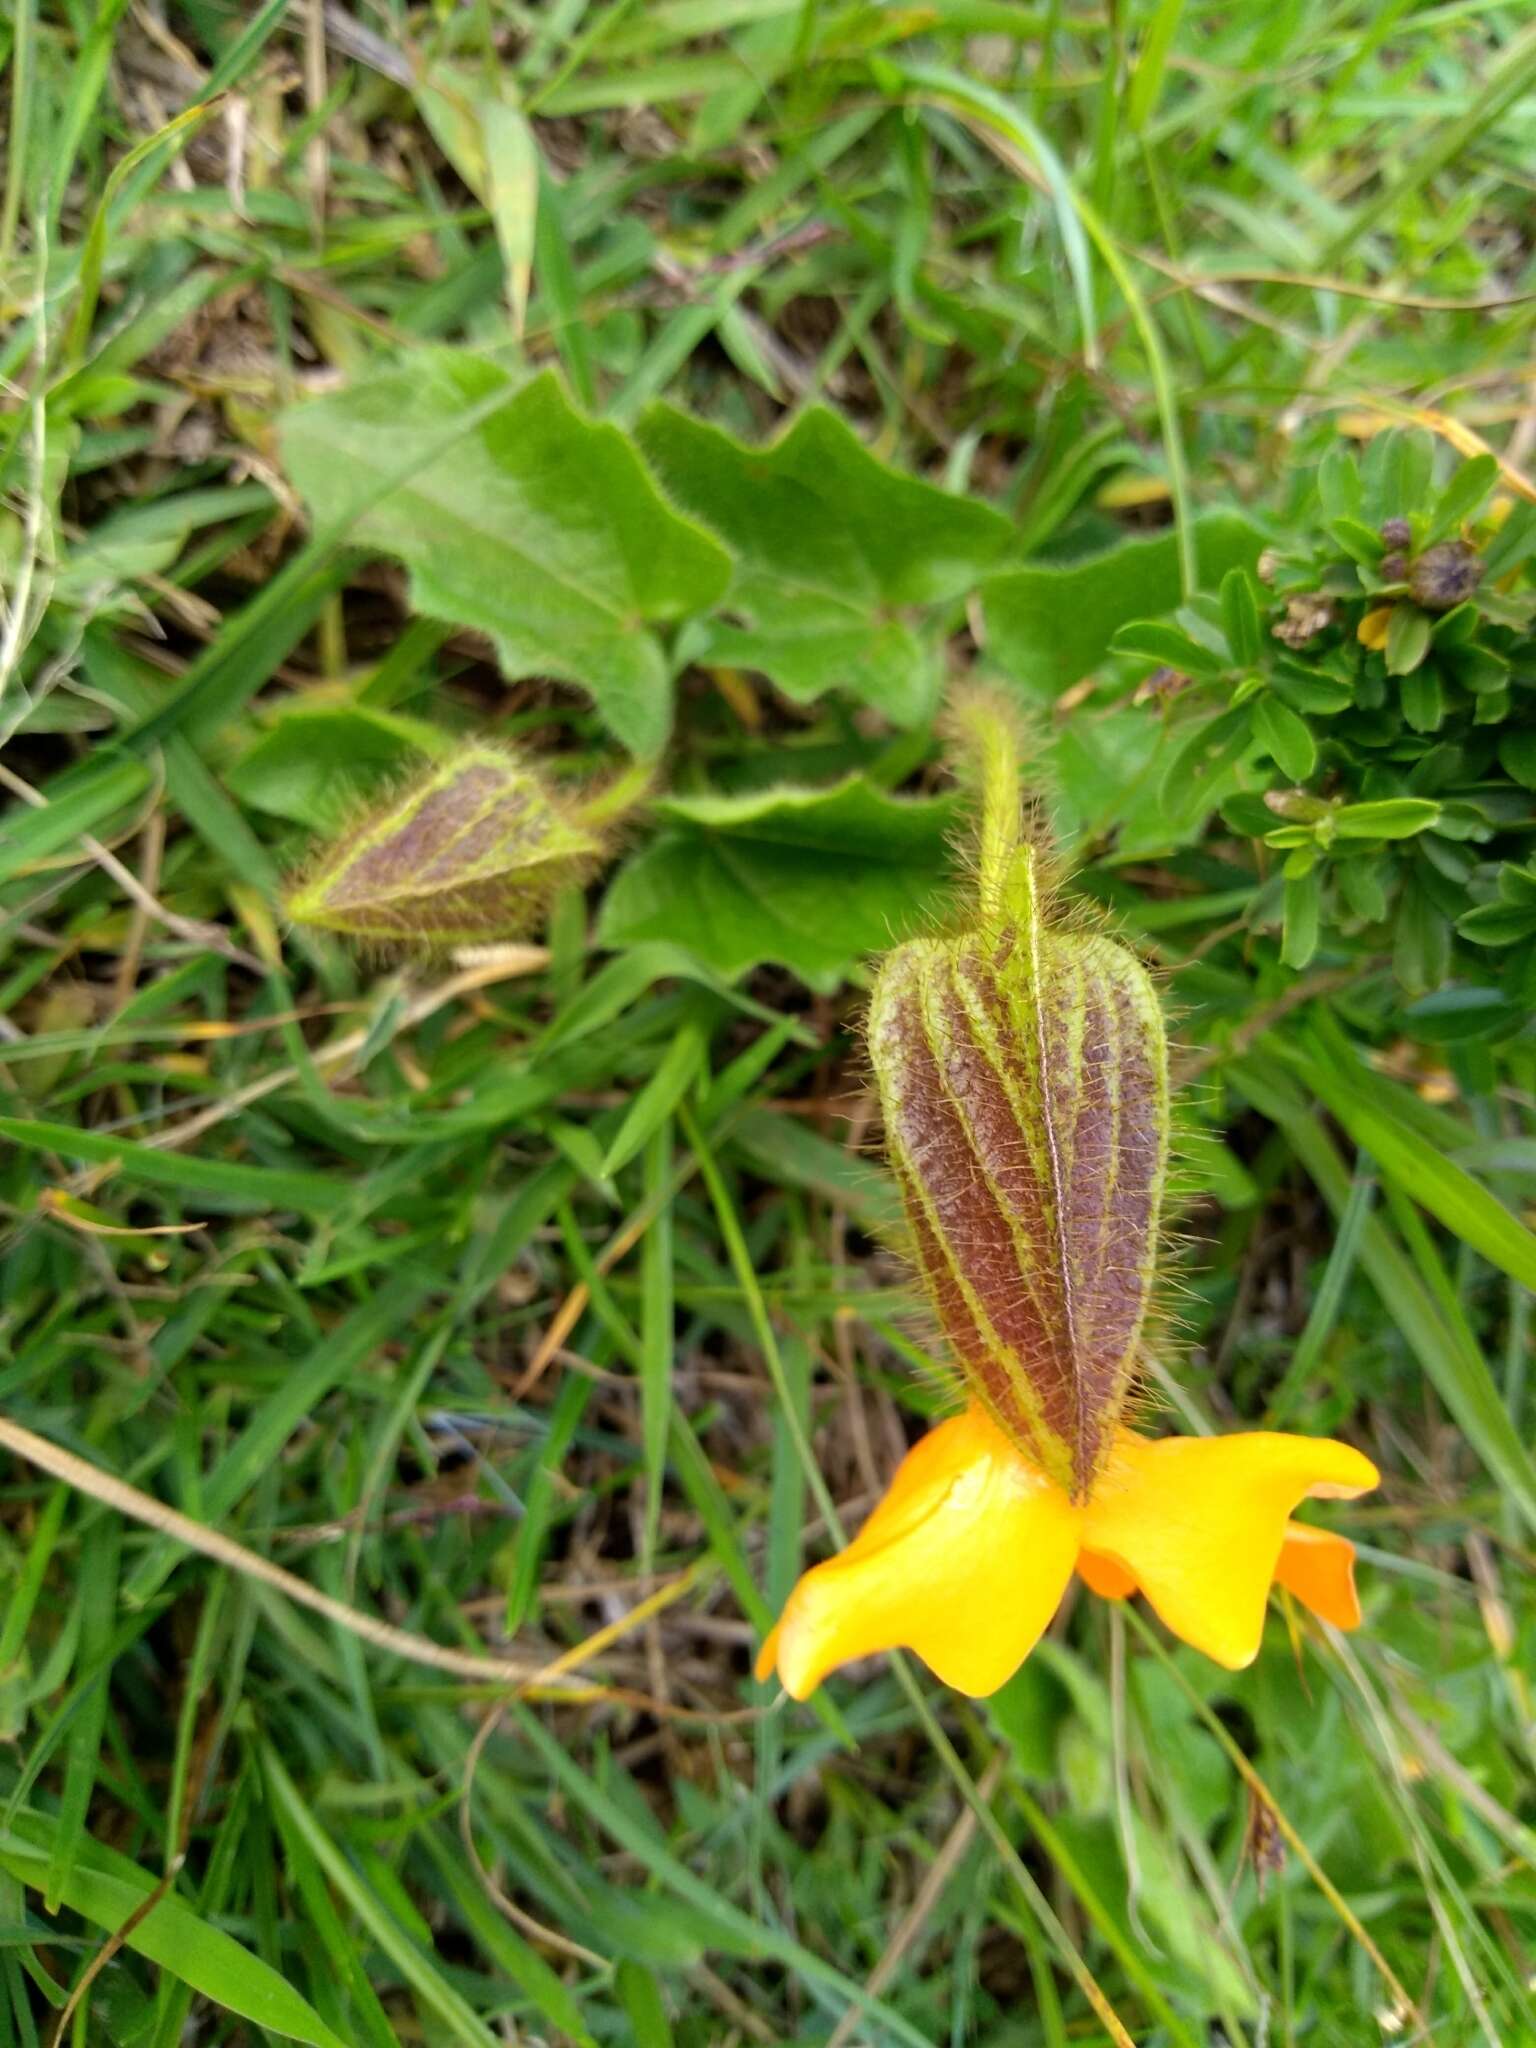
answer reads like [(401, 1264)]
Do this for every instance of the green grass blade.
[(107, 1889)]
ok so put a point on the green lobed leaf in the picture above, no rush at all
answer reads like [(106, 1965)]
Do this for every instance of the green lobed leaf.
[(1049, 625), (314, 759), (809, 878), (534, 524), (840, 559)]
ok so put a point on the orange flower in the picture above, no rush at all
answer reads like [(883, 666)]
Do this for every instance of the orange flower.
[(966, 1558)]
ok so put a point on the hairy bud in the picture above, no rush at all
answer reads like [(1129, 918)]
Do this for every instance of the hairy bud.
[(1445, 576), (1023, 1073), (1396, 533), (467, 854)]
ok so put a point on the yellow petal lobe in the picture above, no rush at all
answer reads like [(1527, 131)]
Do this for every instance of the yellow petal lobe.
[(1199, 1524), (1315, 1565), (1319, 1568), (1105, 1576), (964, 1562)]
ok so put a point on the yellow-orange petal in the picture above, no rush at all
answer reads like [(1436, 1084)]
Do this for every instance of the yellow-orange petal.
[(1105, 1576), (964, 1562), (1199, 1524), (1319, 1568), (1372, 629), (1315, 1564)]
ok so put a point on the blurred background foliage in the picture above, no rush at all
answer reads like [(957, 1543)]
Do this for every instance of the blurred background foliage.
[(683, 394)]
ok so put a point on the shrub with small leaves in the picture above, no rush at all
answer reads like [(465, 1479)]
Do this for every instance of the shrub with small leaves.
[(1366, 709)]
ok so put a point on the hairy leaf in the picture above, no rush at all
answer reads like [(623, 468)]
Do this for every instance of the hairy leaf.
[(516, 516), (840, 558), (809, 878), (1048, 624)]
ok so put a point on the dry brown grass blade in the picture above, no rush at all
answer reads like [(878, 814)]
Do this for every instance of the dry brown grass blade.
[(929, 1892), (1376, 412), (569, 1661), (109, 1949), (572, 1309), (510, 961), (116, 1493), (1306, 280), (549, 1678)]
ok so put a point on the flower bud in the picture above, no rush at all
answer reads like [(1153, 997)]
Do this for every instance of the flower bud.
[(1023, 1074), (1396, 533), (1445, 576), (468, 854)]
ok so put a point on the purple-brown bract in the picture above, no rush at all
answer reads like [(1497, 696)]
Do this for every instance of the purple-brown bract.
[(1023, 1075)]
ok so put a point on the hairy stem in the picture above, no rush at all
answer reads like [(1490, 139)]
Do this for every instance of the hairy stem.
[(989, 738)]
